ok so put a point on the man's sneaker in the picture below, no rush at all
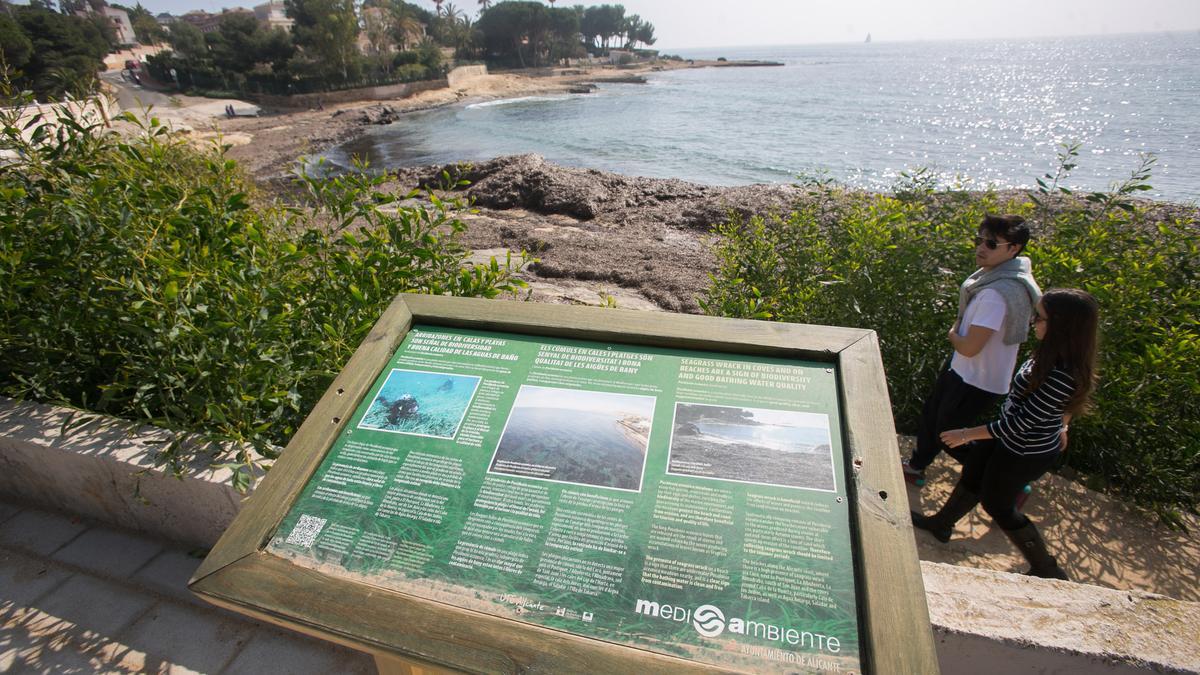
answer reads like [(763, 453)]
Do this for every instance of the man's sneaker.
[(912, 475)]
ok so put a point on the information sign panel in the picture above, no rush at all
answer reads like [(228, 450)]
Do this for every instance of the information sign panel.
[(689, 502), (499, 487)]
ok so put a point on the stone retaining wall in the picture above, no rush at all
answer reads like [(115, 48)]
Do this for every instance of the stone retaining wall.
[(984, 622), (389, 92), (384, 93), (462, 74)]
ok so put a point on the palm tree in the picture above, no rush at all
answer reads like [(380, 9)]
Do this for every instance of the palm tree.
[(464, 35), (439, 6), (450, 12), (485, 4), (408, 31)]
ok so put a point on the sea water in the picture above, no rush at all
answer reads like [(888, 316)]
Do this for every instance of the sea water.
[(972, 113)]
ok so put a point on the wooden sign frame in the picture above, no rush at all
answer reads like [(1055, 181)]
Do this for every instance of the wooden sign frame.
[(410, 634)]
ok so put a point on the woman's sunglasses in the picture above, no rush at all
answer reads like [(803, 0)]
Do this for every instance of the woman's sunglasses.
[(991, 244)]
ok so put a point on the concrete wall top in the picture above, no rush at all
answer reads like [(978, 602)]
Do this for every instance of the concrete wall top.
[(1040, 618)]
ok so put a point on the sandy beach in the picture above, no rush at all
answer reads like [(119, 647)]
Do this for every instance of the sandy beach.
[(267, 145)]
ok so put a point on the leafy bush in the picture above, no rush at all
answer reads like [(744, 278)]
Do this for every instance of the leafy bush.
[(137, 279), (894, 265), (411, 72), (406, 58)]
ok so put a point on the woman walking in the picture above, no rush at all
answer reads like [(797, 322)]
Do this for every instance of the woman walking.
[(1031, 432)]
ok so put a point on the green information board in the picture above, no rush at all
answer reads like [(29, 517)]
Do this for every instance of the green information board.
[(514, 487), (689, 503)]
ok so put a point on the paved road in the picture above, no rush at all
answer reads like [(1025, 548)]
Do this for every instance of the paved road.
[(132, 96)]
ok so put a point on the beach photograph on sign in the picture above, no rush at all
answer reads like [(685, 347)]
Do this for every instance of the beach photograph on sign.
[(420, 403), (575, 436), (752, 445)]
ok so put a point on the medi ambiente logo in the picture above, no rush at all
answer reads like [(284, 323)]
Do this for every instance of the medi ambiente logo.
[(709, 621)]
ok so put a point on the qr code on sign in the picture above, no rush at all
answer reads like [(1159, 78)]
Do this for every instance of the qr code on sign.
[(306, 530)]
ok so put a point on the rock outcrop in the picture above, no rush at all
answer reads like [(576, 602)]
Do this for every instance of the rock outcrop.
[(530, 182), (645, 236)]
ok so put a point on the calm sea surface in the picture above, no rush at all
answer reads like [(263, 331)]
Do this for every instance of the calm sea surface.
[(977, 113)]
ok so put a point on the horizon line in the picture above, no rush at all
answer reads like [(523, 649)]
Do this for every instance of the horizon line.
[(875, 40)]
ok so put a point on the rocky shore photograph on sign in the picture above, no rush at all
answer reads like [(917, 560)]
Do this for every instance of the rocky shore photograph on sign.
[(574, 436), (752, 445), (420, 403)]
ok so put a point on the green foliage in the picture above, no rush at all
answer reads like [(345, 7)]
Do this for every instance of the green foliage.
[(893, 265), (64, 52), (885, 265), (15, 47), (638, 31), (240, 44), (526, 33), (138, 279), (187, 41), (326, 32), (601, 24)]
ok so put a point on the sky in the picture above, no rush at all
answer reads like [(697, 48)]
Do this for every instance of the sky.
[(684, 24)]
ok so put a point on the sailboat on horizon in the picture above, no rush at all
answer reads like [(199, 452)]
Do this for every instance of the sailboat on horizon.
[(868, 40)]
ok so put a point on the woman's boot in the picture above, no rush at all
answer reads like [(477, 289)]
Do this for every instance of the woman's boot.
[(941, 524), (1031, 545)]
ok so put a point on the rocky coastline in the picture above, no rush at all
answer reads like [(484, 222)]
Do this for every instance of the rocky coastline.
[(597, 235), (598, 238)]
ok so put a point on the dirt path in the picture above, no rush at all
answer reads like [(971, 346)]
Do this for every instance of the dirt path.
[(1097, 539)]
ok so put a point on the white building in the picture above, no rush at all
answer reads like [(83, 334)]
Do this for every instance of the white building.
[(273, 15), (119, 20)]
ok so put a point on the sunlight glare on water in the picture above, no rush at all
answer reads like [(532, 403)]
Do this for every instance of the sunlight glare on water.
[(976, 113)]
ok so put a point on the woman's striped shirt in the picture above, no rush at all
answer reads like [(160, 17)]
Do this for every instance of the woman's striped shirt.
[(1029, 423)]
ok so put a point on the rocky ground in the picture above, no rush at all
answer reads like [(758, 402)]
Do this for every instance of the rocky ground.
[(642, 241)]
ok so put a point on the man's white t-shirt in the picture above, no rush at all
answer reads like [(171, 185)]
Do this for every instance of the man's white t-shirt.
[(992, 368)]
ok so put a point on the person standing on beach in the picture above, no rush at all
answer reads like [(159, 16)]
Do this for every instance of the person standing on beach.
[(995, 304), (1031, 433)]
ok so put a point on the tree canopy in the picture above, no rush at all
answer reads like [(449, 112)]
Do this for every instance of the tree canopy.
[(528, 33), (403, 42), (240, 43), (326, 31), (54, 54)]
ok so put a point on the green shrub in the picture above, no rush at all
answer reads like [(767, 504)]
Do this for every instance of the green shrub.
[(411, 72), (893, 265), (137, 279), (406, 58), (885, 266)]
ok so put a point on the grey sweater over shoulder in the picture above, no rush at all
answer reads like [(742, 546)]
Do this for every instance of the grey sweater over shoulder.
[(1013, 280)]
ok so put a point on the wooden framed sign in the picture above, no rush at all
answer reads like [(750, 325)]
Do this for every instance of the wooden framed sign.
[(499, 486)]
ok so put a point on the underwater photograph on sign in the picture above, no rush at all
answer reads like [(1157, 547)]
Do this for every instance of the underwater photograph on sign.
[(689, 503), (421, 403)]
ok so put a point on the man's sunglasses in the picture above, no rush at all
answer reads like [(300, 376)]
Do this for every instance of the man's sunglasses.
[(991, 244)]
